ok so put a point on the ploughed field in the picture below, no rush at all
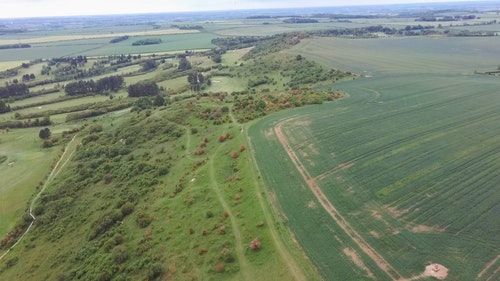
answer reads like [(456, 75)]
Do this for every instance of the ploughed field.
[(406, 171)]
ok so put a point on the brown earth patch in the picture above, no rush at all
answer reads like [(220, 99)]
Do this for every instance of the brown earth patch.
[(424, 228), (353, 255), (436, 270), (396, 212), (375, 234)]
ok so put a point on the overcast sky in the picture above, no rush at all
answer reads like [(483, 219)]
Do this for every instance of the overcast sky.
[(37, 8)]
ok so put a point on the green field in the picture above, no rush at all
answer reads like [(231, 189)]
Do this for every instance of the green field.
[(397, 55), (411, 162), (21, 147)]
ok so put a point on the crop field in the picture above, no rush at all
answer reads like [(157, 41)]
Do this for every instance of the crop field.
[(102, 47), (439, 55), (392, 172), (410, 162)]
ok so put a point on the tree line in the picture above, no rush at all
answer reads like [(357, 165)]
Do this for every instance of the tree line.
[(103, 85)]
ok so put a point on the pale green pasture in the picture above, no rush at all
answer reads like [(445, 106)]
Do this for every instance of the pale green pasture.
[(102, 47), (234, 56), (174, 84), (31, 165), (137, 78), (63, 104), (169, 43), (445, 55), (227, 84), (37, 99)]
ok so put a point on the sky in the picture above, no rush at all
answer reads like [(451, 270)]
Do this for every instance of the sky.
[(42, 8)]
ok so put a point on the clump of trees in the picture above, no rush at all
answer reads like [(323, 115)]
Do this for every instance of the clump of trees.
[(184, 64), (44, 133), (143, 88), (118, 39), (195, 79), (149, 41), (13, 90)]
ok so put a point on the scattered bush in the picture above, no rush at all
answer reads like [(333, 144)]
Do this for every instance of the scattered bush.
[(255, 244), (120, 254), (127, 208), (209, 214), (219, 267), (155, 270), (143, 219), (222, 230)]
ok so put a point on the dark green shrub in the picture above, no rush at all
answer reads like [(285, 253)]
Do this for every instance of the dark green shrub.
[(127, 208), (155, 270), (120, 254)]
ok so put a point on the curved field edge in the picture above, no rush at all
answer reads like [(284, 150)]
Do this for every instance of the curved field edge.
[(414, 239)]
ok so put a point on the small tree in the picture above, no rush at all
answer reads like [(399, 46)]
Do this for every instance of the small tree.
[(44, 134)]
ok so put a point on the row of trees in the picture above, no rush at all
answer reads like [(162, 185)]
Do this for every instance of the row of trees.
[(103, 85), (14, 90)]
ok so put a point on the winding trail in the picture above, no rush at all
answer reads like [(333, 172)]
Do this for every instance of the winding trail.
[(70, 148), (240, 252), (334, 213)]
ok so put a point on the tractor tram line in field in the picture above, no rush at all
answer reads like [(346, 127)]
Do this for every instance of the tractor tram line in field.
[(332, 211)]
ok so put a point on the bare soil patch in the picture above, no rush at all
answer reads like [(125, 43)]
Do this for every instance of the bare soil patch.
[(424, 228), (436, 270), (357, 260)]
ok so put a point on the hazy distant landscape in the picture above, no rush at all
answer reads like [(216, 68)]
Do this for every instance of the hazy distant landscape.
[(337, 143)]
